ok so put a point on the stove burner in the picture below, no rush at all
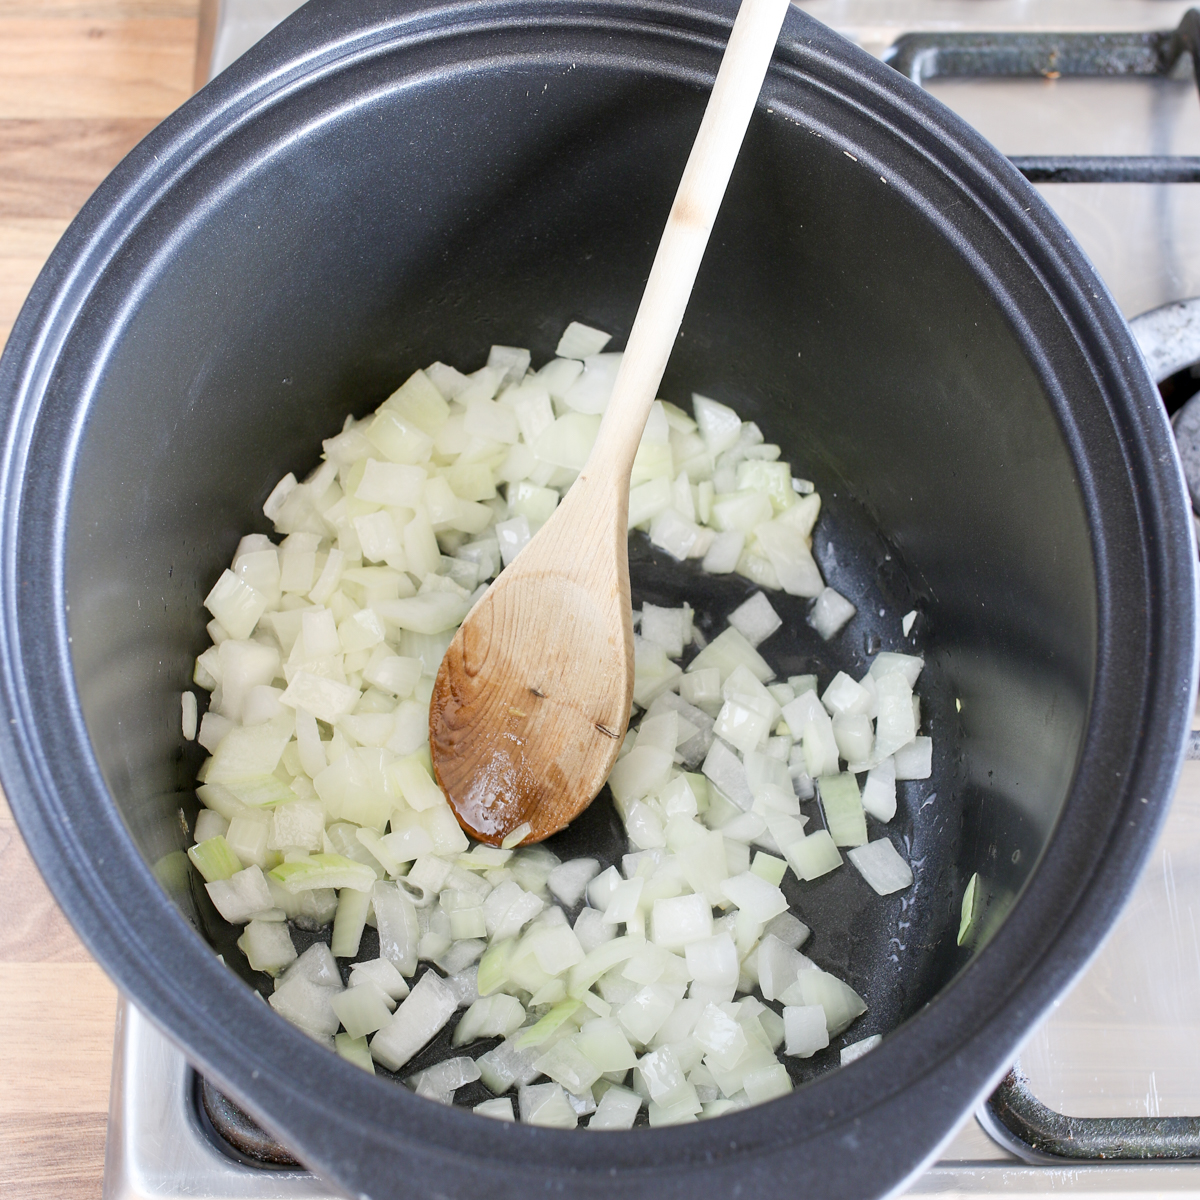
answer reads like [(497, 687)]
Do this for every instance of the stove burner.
[(1019, 1121), (924, 56)]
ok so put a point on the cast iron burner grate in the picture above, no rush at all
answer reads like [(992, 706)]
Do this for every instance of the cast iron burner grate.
[(925, 56)]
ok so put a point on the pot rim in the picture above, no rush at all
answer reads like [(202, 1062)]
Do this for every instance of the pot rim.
[(892, 1108)]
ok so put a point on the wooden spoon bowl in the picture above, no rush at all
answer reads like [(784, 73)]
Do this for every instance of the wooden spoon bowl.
[(533, 695)]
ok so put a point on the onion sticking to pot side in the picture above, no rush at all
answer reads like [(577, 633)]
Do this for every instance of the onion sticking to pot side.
[(578, 991)]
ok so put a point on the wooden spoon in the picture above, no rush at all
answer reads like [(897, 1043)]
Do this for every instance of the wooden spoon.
[(533, 696)]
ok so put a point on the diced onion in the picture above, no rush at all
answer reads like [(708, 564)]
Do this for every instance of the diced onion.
[(321, 807)]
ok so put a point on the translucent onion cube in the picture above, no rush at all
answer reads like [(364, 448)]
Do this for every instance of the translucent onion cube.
[(556, 948), (682, 1106), (307, 1005), (546, 1104), (643, 1015), (317, 965), (500, 1109), (661, 1073), (581, 341), (210, 824), (722, 1036), (741, 727), (566, 1064), (643, 770), (854, 735), (513, 536), (729, 650), (399, 931), (679, 920), (770, 782), (568, 882), (755, 619), (382, 974), (859, 1048), (879, 791), (770, 868), (787, 551), (844, 696), (618, 1109), (362, 1009), (702, 689), (251, 751), (674, 533), (843, 810), (915, 761), (754, 896), (767, 1083), (840, 1002), (805, 1030), (778, 966), (623, 901), (236, 604), (604, 1042), (508, 908), (789, 929), (724, 553), (719, 425), (243, 895), (880, 864), (896, 723), (395, 485), (326, 699), (592, 930), (349, 921), (468, 923), (507, 1065), (214, 857), (422, 1014), (647, 500), (889, 662), (267, 946), (813, 856), (297, 826), (354, 1050), (670, 628), (713, 961), (725, 769), (830, 612), (600, 890)]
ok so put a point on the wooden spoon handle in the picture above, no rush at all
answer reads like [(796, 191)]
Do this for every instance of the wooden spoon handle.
[(656, 326)]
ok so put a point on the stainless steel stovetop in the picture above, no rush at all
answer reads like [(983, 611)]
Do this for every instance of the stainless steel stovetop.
[(1125, 1041)]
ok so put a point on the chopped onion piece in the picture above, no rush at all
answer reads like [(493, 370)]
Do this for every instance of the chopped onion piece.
[(500, 1109), (422, 1014), (546, 1104), (880, 864), (915, 761), (517, 836), (858, 1049), (879, 792), (830, 612), (805, 1030), (755, 619)]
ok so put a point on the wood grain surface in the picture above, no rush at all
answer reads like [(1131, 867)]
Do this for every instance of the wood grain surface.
[(81, 82)]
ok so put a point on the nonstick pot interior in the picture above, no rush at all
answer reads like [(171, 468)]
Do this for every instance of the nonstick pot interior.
[(376, 187)]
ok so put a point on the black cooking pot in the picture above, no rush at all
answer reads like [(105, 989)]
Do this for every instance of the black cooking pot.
[(381, 184)]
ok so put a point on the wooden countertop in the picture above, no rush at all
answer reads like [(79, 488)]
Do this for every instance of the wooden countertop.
[(81, 82)]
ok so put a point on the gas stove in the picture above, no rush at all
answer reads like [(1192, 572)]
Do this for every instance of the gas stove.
[(1096, 103)]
